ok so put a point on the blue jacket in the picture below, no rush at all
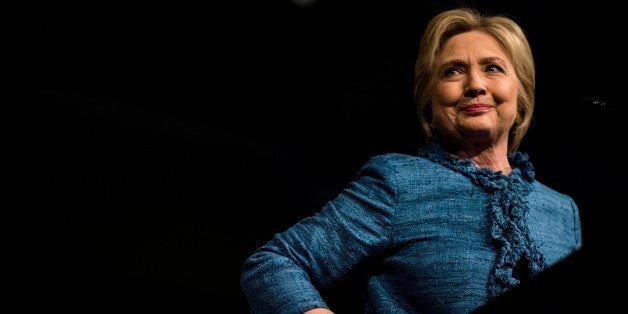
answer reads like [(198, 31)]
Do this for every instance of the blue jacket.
[(440, 234)]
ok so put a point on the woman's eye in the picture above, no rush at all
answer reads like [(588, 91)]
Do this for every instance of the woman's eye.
[(494, 68), (452, 71)]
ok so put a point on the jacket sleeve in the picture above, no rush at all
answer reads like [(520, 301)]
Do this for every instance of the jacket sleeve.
[(284, 275), (577, 227)]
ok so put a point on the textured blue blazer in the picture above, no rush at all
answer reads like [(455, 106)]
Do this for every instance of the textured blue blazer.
[(439, 234)]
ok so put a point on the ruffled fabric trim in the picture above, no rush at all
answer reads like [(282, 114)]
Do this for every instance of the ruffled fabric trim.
[(518, 257)]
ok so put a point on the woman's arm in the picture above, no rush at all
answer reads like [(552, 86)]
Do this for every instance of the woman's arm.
[(284, 275)]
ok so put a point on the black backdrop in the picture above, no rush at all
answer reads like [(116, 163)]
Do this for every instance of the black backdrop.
[(154, 145)]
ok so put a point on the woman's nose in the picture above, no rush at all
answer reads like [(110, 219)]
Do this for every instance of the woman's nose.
[(475, 85)]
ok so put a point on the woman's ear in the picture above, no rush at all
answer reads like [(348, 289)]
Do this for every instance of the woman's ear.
[(432, 124)]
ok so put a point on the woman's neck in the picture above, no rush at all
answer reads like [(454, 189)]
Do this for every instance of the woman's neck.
[(494, 157)]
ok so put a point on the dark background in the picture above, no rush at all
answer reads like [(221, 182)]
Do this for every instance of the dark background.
[(154, 145)]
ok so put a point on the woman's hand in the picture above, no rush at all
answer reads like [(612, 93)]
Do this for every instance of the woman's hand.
[(320, 310)]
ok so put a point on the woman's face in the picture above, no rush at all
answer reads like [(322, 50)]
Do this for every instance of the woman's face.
[(475, 90)]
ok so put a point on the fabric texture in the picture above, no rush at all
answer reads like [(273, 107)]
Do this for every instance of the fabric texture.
[(439, 235)]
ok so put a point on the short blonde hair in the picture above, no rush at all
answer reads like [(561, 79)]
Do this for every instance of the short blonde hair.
[(511, 37)]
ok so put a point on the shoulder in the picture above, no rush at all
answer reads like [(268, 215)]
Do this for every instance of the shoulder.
[(549, 192), (396, 161), (543, 194), (400, 168)]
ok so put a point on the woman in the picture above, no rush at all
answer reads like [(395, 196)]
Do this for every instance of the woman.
[(452, 227)]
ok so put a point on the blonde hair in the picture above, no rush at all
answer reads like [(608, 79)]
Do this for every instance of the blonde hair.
[(511, 37)]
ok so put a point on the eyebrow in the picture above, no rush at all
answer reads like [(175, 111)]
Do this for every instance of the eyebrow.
[(485, 60)]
